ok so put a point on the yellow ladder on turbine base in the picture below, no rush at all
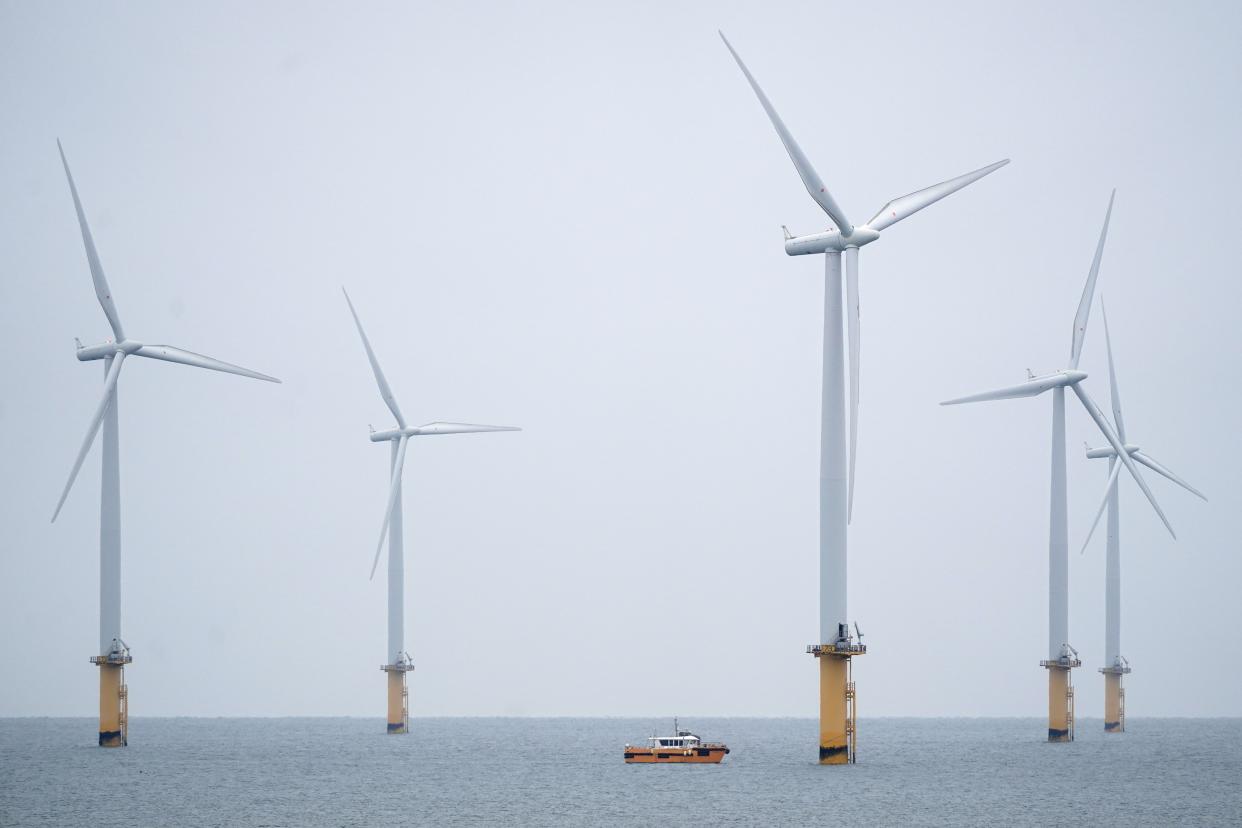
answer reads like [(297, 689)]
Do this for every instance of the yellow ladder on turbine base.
[(851, 728), (405, 704), (123, 699), (1121, 707), (1069, 712)]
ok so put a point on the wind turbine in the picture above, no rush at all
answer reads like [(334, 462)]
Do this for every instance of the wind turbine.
[(836, 483), (1116, 665), (399, 662), (114, 653), (1061, 656)]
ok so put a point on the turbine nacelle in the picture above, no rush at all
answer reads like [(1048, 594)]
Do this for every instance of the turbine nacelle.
[(830, 241), (1061, 379), (1109, 451)]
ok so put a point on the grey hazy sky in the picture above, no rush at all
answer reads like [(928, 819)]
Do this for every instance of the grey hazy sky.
[(566, 217)]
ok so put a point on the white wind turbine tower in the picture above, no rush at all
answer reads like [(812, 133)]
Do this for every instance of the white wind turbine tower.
[(836, 490), (114, 654), (399, 662), (1116, 665), (1061, 656)]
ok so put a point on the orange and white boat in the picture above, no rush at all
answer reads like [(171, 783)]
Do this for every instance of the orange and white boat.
[(684, 747)]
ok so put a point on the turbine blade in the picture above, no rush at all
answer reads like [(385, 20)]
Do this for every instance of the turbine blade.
[(1012, 392), (851, 291), (1148, 461), (392, 499), (1106, 427), (460, 428), (1084, 304), (908, 205), (1113, 472), (93, 428), (385, 391), (810, 178), (1115, 395), (102, 291), (168, 353)]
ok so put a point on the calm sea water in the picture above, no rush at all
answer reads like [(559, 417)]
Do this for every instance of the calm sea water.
[(348, 772)]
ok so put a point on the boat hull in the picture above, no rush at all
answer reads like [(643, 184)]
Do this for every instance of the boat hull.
[(705, 755)]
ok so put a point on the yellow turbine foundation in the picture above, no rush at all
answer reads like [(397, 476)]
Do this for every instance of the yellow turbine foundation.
[(837, 730), (113, 701), (833, 677), (398, 697), (1114, 698), (1060, 699), (1059, 716), (1112, 703)]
